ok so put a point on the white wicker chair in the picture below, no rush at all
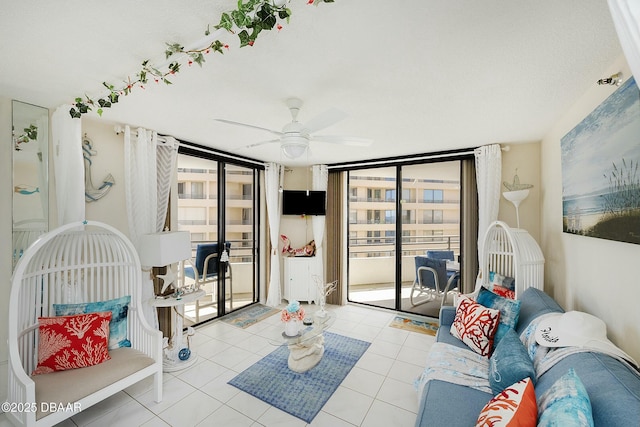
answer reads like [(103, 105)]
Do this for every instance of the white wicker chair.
[(97, 262), (512, 252)]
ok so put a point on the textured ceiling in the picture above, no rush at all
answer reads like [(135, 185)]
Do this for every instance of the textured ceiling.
[(415, 76)]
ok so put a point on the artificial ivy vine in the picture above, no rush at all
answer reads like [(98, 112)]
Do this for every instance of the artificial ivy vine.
[(250, 17)]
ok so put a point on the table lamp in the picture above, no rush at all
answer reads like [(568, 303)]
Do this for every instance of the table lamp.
[(164, 249)]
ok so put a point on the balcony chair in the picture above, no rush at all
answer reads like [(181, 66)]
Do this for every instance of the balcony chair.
[(446, 255), (431, 281), (204, 271)]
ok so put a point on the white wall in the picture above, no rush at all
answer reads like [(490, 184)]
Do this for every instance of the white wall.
[(6, 195), (597, 276), (526, 159), (109, 159)]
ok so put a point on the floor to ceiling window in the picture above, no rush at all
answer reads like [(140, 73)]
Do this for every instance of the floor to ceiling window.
[(218, 204), (386, 233)]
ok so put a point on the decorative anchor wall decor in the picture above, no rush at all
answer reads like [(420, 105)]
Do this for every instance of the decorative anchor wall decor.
[(91, 194)]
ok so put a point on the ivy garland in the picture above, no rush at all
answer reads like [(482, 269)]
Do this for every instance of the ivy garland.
[(250, 17)]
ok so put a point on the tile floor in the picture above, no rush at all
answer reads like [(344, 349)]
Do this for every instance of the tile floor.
[(378, 392)]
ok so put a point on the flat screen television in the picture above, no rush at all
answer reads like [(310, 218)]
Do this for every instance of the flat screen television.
[(302, 202)]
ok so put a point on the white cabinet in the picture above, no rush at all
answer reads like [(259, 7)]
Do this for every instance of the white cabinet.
[(299, 283)]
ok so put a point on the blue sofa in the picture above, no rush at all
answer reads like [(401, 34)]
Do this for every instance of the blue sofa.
[(613, 387)]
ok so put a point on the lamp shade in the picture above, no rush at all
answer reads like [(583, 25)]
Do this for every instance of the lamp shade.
[(160, 249)]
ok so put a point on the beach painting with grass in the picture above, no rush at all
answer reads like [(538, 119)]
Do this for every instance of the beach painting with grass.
[(601, 171)]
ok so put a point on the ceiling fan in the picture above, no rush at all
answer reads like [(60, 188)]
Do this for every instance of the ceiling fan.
[(294, 137)]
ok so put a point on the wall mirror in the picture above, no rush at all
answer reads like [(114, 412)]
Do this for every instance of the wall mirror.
[(30, 141)]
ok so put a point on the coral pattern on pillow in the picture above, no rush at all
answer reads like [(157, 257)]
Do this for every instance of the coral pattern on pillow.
[(69, 342), (514, 406), (475, 325)]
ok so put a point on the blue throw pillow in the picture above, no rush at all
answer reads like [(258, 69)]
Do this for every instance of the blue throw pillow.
[(119, 309), (509, 311), (509, 363), (565, 404)]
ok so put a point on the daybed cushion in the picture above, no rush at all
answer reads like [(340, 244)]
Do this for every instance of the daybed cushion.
[(72, 342), (119, 309), (73, 385), (447, 404)]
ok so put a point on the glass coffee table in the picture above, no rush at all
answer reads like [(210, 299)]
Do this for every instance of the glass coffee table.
[(306, 348)]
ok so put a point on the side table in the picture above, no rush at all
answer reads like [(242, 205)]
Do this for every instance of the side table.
[(171, 361)]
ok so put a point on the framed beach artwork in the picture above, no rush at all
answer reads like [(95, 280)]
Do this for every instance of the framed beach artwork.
[(601, 172)]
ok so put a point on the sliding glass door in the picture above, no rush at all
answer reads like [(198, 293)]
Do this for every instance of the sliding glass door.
[(420, 203), (372, 236), (217, 204)]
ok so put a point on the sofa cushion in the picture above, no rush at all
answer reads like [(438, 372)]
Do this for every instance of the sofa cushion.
[(475, 325), (534, 303), (447, 404), (566, 403), (515, 406), (509, 311), (613, 387), (509, 363)]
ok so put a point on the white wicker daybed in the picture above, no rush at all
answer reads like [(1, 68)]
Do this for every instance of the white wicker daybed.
[(77, 263), (512, 252)]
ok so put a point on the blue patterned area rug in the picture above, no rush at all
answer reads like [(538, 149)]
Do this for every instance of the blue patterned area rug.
[(301, 394), (249, 316)]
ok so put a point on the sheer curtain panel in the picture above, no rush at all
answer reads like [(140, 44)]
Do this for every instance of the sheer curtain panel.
[(320, 176), (141, 193), (272, 178), (68, 166), (488, 176)]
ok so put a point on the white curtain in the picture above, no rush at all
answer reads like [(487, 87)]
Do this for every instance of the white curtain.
[(320, 176), (488, 177), (272, 177), (167, 162), (68, 166), (626, 19), (141, 200)]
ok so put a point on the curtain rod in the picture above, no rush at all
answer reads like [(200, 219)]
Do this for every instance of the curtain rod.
[(389, 162), (220, 153), (395, 161), (119, 129)]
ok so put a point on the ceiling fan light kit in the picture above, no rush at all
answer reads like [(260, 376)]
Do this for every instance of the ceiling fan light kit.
[(294, 147), (295, 137)]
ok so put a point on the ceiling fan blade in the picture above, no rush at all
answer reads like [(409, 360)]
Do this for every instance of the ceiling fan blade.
[(261, 143), (275, 132), (323, 120), (344, 140)]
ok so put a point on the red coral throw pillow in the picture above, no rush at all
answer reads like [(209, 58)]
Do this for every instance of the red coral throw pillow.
[(503, 292), (514, 406), (69, 342), (475, 325)]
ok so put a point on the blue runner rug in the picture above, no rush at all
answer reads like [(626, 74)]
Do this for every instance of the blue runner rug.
[(301, 394), (250, 315)]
